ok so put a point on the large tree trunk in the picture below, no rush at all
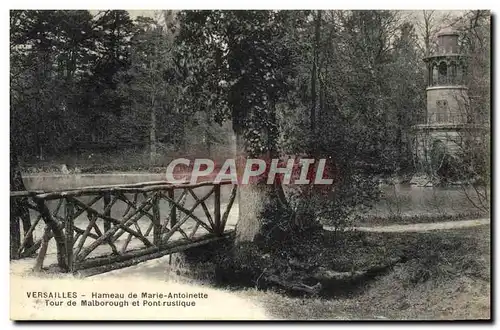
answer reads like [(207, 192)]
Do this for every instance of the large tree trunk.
[(253, 200)]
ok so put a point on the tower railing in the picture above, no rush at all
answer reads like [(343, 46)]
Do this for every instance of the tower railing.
[(453, 119)]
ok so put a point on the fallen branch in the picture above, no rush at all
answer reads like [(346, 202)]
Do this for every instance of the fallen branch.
[(324, 275), (294, 286), (325, 278)]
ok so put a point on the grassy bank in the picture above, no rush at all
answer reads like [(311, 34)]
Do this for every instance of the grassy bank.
[(444, 275)]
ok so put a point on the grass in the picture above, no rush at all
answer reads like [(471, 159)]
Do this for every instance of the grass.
[(445, 275)]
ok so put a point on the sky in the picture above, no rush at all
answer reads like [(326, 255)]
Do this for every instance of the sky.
[(415, 13)]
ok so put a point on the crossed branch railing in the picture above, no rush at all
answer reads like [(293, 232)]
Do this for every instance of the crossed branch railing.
[(82, 244)]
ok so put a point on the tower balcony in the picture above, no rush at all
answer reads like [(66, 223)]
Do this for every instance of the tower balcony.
[(451, 85), (442, 120)]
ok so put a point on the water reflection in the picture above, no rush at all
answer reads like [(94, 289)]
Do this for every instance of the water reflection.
[(410, 200)]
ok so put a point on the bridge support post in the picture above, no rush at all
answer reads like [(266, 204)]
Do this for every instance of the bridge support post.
[(217, 219), (173, 211), (156, 220), (173, 215), (56, 231), (68, 232), (107, 201)]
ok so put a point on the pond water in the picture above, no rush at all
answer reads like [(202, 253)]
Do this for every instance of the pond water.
[(411, 200), (396, 200)]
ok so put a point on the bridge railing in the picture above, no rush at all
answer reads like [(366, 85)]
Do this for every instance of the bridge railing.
[(98, 226)]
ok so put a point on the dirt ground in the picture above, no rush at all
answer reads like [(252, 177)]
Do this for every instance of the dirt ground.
[(217, 305)]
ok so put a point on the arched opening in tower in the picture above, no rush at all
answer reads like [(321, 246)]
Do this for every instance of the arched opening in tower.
[(453, 73), (434, 79), (443, 73)]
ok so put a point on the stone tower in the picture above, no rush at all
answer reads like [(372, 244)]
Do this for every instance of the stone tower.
[(446, 115)]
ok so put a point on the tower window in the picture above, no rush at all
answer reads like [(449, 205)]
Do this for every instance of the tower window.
[(453, 73), (434, 75), (460, 75), (442, 111), (443, 71)]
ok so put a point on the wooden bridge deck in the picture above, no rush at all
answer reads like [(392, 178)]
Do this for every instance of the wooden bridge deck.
[(95, 229)]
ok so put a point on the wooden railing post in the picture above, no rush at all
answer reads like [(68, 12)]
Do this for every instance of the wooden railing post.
[(156, 220), (68, 232), (217, 220), (56, 231), (107, 200), (232, 197), (173, 211), (173, 214)]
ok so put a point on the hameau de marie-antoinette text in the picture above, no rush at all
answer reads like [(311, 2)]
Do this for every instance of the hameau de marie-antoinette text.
[(99, 295), (144, 299)]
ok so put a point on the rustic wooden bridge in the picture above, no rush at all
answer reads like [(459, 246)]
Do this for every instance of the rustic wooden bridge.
[(97, 229)]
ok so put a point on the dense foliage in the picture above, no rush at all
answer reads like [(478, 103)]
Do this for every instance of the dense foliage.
[(343, 85)]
